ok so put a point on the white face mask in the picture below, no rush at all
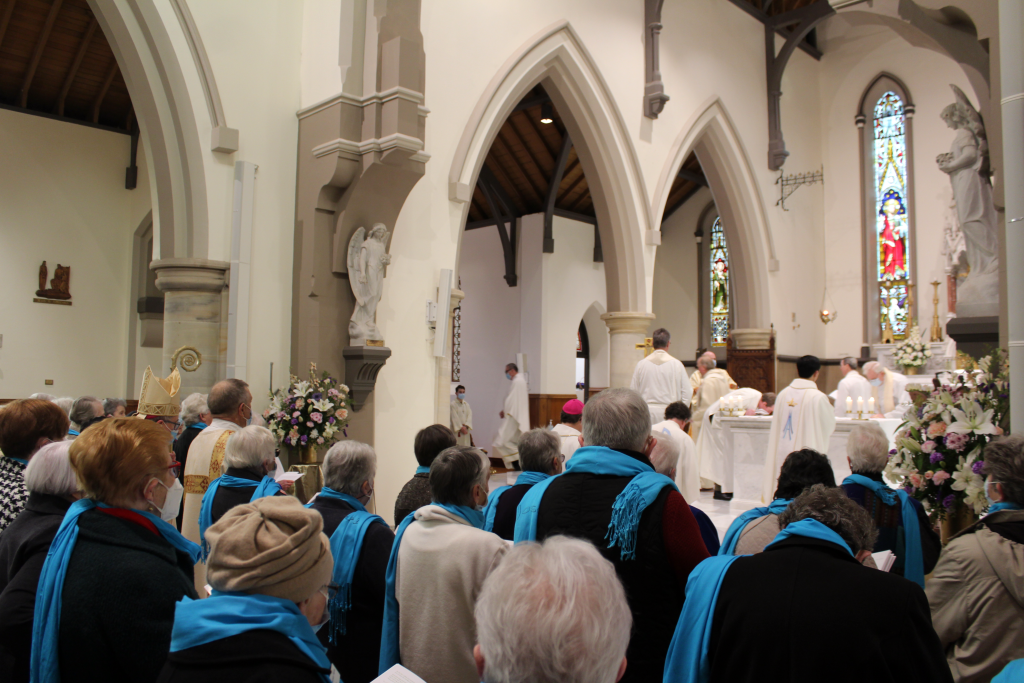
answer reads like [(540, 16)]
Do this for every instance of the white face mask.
[(326, 616), (172, 504)]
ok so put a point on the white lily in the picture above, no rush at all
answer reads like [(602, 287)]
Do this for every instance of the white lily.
[(323, 405), (972, 419)]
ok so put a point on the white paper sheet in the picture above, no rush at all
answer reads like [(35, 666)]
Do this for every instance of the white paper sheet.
[(281, 475), (884, 559), (398, 674)]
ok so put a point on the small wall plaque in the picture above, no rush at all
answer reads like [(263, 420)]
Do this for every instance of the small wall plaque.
[(375, 342), (48, 382)]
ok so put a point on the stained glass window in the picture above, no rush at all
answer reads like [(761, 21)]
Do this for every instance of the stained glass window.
[(719, 285), (891, 214)]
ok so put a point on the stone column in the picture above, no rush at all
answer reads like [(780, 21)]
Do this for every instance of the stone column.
[(627, 329), (192, 290), (1011, 58), (442, 401)]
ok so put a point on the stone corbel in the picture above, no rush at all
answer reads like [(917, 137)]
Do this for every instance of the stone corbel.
[(654, 90), (362, 365)]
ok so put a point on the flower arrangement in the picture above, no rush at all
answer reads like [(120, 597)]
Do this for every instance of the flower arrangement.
[(912, 352), (309, 413), (939, 451)]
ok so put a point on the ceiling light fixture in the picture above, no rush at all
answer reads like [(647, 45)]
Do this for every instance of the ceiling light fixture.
[(547, 113)]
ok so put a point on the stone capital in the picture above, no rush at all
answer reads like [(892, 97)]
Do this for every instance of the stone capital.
[(457, 296), (627, 322), (190, 274)]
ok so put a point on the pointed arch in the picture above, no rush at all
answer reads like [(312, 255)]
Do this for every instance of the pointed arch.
[(557, 59), (712, 136)]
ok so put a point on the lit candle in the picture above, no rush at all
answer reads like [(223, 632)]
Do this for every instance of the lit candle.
[(860, 404), (871, 405), (849, 404)]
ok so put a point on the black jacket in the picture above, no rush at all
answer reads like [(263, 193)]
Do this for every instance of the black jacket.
[(804, 610), (227, 497), (181, 445), (252, 657), (357, 654), (414, 495), (23, 548), (122, 583), (505, 514)]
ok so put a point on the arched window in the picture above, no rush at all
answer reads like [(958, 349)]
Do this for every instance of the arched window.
[(889, 236), (718, 268)]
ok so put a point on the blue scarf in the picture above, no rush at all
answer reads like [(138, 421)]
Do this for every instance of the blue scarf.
[(491, 508), (23, 461), (389, 645), (994, 507), (811, 528), (629, 505), (199, 425), (72, 432), (687, 660), (423, 469), (45, 662), (1012, 673), (732, 536), (223, 614), (346, 546), (913, 562), (266, 487)]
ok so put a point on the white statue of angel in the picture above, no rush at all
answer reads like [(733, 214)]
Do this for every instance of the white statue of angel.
[(367, 257), (968, 169)]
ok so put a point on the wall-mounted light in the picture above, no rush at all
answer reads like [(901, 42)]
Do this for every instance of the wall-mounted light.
[(828, 308), (547, 113)]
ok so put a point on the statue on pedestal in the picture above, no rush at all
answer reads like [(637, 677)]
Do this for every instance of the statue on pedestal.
[(367, 257), (968, 168)]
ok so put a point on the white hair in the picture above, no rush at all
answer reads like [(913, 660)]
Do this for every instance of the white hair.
[(347, 465), (616, 418), (43, 396), (85, 408), (665, 455), (49, 471), (873, 366), (250, 449), (868, 448), (707, 362), (851, 362), (192, 407), (65, 403), (553, 613), (111, 404)]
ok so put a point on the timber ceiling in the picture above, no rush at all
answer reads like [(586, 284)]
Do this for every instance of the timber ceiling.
[(773, 8), (55, 60), (686, 184)]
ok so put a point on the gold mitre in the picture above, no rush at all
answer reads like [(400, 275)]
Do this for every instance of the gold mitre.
[(159, 397)]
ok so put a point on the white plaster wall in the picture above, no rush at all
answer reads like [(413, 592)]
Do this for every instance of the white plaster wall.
[(676, 276), (141, 204), (853, 58), (62, 200)]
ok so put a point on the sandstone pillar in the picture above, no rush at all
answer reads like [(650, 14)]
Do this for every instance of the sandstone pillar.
[(626, 330)]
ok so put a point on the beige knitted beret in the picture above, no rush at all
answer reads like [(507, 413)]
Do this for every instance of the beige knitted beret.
[(273, 546)]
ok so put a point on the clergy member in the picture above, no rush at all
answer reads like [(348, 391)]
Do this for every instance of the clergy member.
[(715, 384), (515, 417), (853, 385), (804, 419), (570, 428), (887, 388), (230, 405), (660, 379), (698, 376), (687, 478), (714, 453), (462, 418)]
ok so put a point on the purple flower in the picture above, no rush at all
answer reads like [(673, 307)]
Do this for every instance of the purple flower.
[(295, 421), (317, 396), (303, 439), (977, 467), (935, 457), (330, 420), (892, 452), (909, 489), (947, 502)]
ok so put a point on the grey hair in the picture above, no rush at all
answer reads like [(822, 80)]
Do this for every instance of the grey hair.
[(111, 404), (660, 338), (852, 362), (873, 366), (616, 418), (65, 403), (84, 409), (43, 396), (537, 450), (832, 507), (665, 456), (454, 473), (347, 465), (553, 613), (49, 471), (1004, 460), (192, 407), (249, 448), (868, 448), (707, 363)]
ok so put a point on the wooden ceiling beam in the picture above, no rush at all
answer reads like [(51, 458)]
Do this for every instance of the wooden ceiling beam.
[(549, 202), (533, 125), (5, 18), (529, 150), (576, 203), (37, 52), (693, 176), (572, 186), (102, 94), (502, 146), (514, 202), (749, 8), (75, 65)]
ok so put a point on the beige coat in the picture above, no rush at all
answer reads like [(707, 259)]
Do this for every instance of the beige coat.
[(442, 564), (976, 595), (757, 534)]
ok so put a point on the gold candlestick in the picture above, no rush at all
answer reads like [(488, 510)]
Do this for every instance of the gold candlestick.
[(936, 325)]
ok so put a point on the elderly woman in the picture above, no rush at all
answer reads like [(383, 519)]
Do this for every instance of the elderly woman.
[(52, 488), (195, 417), (752, 531), (540, 456), (976, 592), (116, 568), (25, 427), (361, 545), (248, 459), (901, 521), (270, 569)]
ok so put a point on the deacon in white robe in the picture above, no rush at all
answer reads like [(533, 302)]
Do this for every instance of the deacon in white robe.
[(462, 418), (714, 449), (661, 379), (687, 478), (715, 384), (516, 415), (570, 427), (853, 385), (803, 418), (888, 388)]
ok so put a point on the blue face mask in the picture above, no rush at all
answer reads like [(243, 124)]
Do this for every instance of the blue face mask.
[(875, 382), (248, 420), (461, 397), (508, 375), (988, 497)]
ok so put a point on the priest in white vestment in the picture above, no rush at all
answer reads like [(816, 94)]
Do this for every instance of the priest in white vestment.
[(677, 417), (515, 417), (803, 418), (715, 384), (462, 418), (888, 388), (230, 404), (570, 428), (714, 452), (853, 385), (661, 379)]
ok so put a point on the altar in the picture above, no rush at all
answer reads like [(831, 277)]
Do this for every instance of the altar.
[(746, 440)]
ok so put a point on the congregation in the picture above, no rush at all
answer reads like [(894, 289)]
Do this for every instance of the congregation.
[(160, 547)]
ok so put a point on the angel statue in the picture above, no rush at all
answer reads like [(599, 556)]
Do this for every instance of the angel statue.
[(968, 169), (366, 260)]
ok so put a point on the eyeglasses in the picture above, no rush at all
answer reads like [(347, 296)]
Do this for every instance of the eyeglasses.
[(175, 469), (330, 591)]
